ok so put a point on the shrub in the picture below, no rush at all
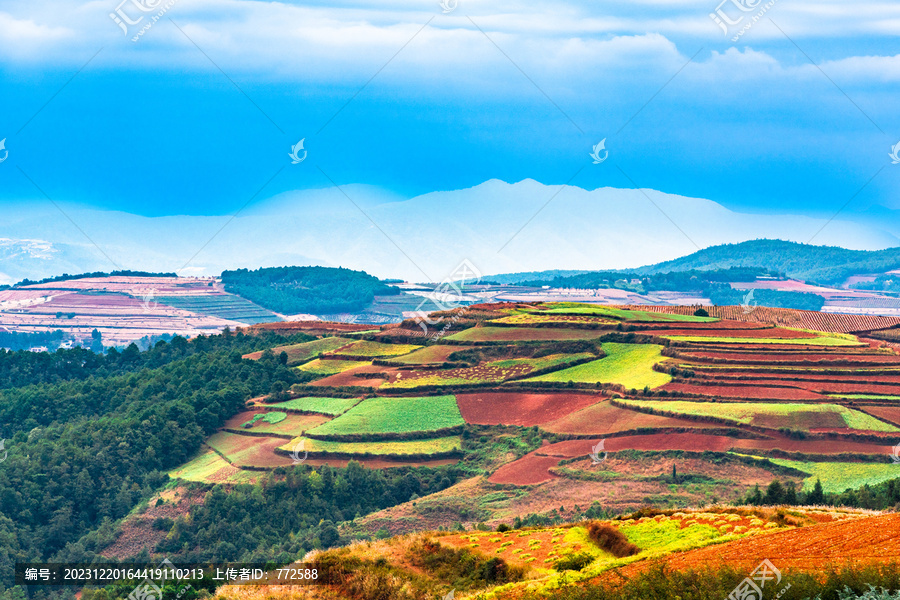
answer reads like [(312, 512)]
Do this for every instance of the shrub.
[(573, 562), (612, 540)]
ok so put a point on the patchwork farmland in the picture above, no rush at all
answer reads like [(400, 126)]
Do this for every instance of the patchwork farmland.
[(549, 397)]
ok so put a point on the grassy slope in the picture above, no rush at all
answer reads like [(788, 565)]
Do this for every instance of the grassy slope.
[(325, 406), (745, 412), (627, 364), (838, 476), (386, 448), (376, 349), (395, 415), (330, 367)]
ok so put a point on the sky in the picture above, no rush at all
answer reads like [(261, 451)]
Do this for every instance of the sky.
[(198, 113)]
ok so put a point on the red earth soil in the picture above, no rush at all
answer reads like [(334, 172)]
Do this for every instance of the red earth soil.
[(830, 387), (533, 467), (815, 548), (759, 332), (794, 378), (605, 419), (347, 378), (802, 319), (888, 413), (736, 391), (702, 326), (526, 409), (528, 470), (793, 358), (261, 451)]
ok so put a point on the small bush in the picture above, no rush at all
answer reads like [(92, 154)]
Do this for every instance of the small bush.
[(612, 540), (573, 562)]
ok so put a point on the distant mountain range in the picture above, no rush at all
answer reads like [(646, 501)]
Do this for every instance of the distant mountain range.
[(815, 264), (499, 227)]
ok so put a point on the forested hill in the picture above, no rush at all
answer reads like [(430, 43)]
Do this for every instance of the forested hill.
[(312, 290), (818, 264)]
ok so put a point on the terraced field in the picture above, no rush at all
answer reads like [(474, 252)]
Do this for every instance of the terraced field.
[(324, 367), (802, 417), (374, 349), (315, 404), (384, 415), (424, 448), (630, 365), (521, 334), (299, 353)]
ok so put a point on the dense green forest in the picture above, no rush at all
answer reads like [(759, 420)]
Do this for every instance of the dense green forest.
[(311, 290), (816, 264), (94, 435), (875, 497)]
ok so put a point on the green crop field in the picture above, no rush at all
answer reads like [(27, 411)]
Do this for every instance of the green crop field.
[(436, 353), (324, 406), (776, 416), (489, 372), (533, 318), (209, 467), (269, 417), (521, 334), (395, 415), (839, 476), (376, 349), (630, 365), (441, 445), (330, 367), (298, 353), (574, 308), (817, 341)]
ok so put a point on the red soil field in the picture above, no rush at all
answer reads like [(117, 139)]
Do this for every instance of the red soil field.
[(788, 358), (526, 409), (701, 326), (529, 469), (747, 392), (801, 319), (759, 332), (793, 378), (815, 548), (533, 467), (819, 386), (888, 413), (604, 418)]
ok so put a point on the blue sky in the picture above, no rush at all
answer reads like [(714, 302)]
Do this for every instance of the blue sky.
[(507, 90)]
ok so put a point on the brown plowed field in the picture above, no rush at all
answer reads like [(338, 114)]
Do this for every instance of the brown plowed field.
[(791, 358), (347, 378), (604, 418), (533, 467), (758, 332), (526, 409), (888, 413), (747, 392), (864, 540), (822, 387), (702, 325), (785, 317), (528, 470), (794, 378)]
